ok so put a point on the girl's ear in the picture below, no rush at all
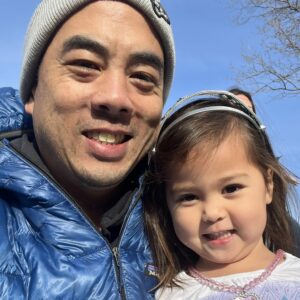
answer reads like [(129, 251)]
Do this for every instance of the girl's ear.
[(269, 186)]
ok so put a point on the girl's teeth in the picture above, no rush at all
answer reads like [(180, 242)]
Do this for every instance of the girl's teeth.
[(217, 235)]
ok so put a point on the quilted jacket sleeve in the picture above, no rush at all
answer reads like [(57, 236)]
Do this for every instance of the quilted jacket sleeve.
[(13, 119)]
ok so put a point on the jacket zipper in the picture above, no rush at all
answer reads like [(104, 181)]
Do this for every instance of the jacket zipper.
[(115, 250), (118, 271)]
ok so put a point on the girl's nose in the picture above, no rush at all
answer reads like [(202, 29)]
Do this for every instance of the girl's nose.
[(213, 211)]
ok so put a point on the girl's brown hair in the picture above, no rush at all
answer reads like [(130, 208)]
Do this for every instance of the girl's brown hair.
[(209, 129)]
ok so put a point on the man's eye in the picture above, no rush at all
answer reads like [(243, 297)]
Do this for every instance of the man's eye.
[(232, 188), (144, 78), (145, 82), (84, 64)]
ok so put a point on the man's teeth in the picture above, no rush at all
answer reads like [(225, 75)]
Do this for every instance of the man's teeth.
[(218, 235), (106, 138)]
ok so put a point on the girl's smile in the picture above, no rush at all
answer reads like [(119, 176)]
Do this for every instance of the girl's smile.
[(219, 238)]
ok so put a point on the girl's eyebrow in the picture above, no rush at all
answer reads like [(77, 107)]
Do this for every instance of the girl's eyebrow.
[(178, 186), (234, 176)]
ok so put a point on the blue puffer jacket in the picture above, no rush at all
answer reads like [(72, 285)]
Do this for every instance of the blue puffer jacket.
[(48, 249)]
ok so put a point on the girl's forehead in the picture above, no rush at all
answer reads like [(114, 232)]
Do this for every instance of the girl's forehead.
[(206, 148), (212, 168), (207, 151)]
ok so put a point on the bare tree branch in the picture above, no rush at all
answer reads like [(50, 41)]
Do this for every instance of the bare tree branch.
[(277, 65)]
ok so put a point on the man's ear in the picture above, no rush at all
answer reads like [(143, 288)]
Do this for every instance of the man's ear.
[(269, 186), (29, 105)]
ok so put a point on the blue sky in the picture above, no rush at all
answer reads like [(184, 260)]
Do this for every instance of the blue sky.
[(209, 46)]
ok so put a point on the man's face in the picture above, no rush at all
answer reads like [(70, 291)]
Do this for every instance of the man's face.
[(98, 99)]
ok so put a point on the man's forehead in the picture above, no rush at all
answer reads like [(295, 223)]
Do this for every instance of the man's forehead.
[(51, 14)]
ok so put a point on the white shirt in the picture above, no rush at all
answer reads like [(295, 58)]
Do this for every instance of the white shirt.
[(282, 284)]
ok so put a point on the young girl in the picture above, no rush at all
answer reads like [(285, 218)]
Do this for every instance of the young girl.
[(217, 211)]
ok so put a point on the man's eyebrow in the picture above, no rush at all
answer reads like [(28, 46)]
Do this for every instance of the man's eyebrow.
[(83, 42), (146, 58)]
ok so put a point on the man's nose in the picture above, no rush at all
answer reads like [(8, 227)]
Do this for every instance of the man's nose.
[(113, 95)]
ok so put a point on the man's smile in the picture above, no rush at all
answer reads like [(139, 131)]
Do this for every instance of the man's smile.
[(107, 138)]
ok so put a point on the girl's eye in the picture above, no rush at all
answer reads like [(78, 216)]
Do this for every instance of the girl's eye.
[(232, 188), (187, 198)]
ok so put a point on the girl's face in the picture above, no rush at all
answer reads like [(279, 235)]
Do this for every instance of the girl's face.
[(218, 205)]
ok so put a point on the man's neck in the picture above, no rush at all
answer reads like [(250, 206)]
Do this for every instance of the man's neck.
[(94, 203)]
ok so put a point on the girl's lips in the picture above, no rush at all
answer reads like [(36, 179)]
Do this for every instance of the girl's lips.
[(219, 235)]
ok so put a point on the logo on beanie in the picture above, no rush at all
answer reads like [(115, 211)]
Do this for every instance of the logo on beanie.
[(160, 11)]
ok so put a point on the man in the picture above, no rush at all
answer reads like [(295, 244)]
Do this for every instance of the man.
[(94, 79)]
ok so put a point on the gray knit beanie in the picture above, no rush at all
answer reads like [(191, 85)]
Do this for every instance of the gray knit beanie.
[(51, 14)]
